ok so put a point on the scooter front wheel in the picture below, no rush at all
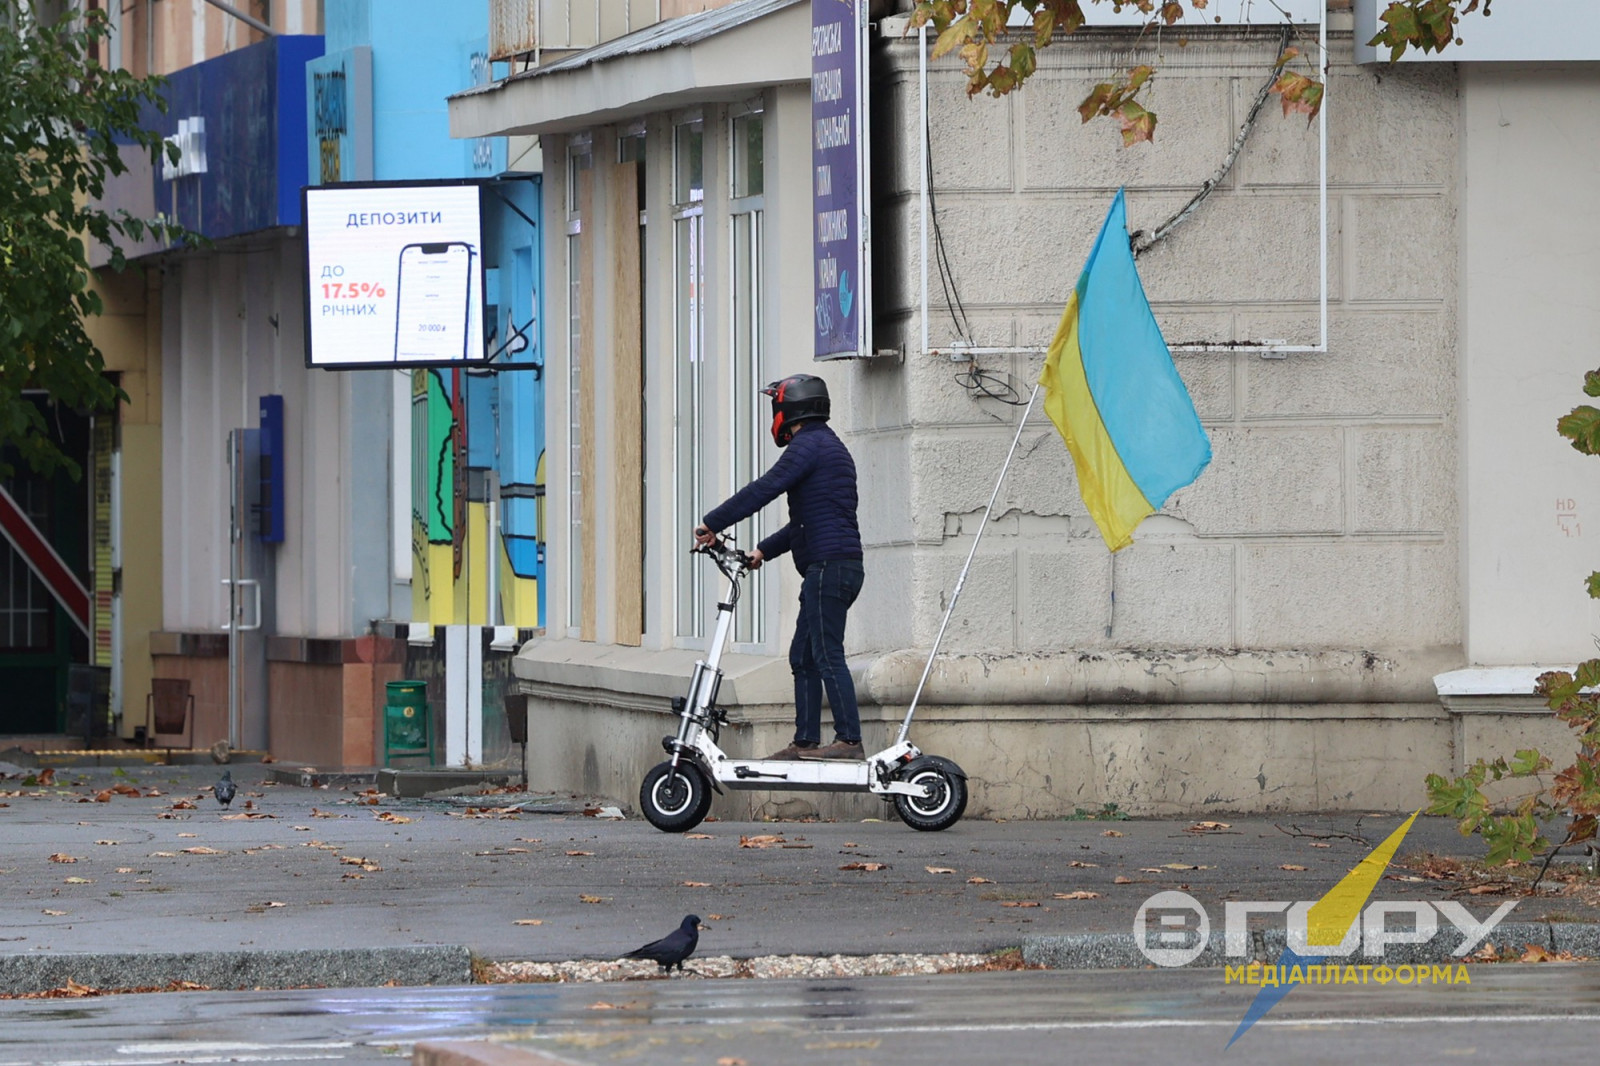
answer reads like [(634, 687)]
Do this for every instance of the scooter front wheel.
[(946, 798), (675, 801)]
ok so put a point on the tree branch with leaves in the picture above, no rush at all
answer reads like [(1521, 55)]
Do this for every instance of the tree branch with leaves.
[(62, 116), (1000, 56)]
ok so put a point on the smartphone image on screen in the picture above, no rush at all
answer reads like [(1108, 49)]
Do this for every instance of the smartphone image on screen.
[(433, 297)]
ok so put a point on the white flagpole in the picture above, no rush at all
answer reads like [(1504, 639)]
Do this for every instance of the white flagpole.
[(905, 726)]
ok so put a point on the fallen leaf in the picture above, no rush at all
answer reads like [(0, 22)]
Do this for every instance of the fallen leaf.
[(1405, 877), (1111, 833), (315, 813), (182, 805), (1076, 895), (939, 869), (602, 1005), (1075, 862), (516, 851), (301, 828), (1120, 880), (1487, 953), (1535, 953), (698, 836), (537, 840), (56, 914), (1208, 827), (77, 881), (1493, 889), (872, 867), (126, 790), (103, 797), (979, 881), (109, 842), (1291, 866), (760, 840), (390, 816), (696, 884), (351, 877), (47, 776), (275, 903), (528, 921), (730, 1060), (719, 917), (1182, 866), (576, 854), (246, 816), (124, 869), (163, 855), (201, 850), (592, 899), (1019, 903), (1319, 845), (61, 857), (186, 834)]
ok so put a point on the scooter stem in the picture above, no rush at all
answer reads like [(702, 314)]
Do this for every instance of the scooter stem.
[(905, 726)]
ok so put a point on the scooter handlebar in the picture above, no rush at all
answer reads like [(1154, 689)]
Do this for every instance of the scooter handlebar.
[(723, 552)]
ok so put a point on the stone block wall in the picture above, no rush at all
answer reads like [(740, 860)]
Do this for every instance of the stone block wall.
[(1328, 515)]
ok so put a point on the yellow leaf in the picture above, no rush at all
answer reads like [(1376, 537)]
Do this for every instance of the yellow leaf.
[(979, 881), (1077, 895), (939, 869), (1110, 833), (78, 881), (528, 921), (1291, 866), (955, 34), (592, 899)]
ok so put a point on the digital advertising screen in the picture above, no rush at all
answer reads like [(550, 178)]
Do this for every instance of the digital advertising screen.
[(394, 274)]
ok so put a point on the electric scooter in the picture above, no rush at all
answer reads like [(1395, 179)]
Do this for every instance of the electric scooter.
[(929, 792)]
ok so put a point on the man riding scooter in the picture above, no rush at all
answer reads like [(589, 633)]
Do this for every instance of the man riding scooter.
[(819, 476)]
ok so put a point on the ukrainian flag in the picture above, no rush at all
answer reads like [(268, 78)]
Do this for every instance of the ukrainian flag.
[(1112, 391)]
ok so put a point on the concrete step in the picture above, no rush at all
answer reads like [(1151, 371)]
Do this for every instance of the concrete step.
[(414, 784), (312, 777)]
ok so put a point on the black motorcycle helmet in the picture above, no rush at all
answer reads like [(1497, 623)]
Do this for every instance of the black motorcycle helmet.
[(796, 399)]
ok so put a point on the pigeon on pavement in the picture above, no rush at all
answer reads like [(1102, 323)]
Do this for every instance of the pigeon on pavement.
[(224, 789), (673, 948)]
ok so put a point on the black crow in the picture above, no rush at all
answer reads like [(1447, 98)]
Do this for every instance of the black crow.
[(673, 948), (224, 789)]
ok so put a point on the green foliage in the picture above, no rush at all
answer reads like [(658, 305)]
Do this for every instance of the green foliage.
[(61, 116), (971, 28), (1108, 812), (1574, 793)]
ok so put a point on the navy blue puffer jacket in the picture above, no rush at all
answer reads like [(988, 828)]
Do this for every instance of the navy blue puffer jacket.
[(820, 477)]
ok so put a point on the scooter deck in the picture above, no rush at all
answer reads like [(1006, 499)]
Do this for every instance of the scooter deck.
[(811, 775)]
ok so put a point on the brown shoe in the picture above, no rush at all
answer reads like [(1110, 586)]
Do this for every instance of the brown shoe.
[(838, 751), (789, 754)]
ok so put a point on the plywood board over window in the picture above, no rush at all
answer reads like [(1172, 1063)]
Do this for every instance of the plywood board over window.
[(626, 407), (586, 391)]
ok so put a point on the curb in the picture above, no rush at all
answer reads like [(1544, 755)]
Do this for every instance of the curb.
[(1119, 951), (476, 1053), (333, 968)]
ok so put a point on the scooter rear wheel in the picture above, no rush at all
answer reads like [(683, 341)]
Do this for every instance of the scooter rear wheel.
[(675, 801)]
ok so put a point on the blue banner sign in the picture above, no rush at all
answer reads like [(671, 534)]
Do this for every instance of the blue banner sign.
[(838, 188)]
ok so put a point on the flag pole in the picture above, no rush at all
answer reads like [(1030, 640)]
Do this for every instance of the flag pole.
[(905, 726)]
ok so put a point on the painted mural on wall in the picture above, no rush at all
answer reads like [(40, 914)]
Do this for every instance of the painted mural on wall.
[(478, 444)]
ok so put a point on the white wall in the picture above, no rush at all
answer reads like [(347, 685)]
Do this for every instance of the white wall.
[(1530, 299), (233, 331)]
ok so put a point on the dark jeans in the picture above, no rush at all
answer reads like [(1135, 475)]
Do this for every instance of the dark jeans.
[(817, 653)]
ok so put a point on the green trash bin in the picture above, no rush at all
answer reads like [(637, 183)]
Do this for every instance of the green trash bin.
[(407, 725)]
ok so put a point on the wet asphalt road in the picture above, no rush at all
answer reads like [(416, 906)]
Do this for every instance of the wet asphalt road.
[(1510, 1013)]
